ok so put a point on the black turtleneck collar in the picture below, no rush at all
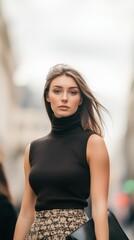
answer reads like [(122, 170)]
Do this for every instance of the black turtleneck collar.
[(64, 124)]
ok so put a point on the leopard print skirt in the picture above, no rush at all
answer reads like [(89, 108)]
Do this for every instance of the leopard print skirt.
[(56, 224)]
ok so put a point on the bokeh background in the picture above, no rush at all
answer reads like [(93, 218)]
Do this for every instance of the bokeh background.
[(97, 38)]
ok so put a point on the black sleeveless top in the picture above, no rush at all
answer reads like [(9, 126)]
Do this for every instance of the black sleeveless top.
[(60, 175)]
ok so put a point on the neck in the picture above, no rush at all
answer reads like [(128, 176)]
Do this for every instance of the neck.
[(64, 124)]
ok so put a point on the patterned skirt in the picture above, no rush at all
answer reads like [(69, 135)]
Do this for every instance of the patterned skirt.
[(56, 224)]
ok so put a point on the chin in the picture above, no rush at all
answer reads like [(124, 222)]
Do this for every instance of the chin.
[(64, 114)]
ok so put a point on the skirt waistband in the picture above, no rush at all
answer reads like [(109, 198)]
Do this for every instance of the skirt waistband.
[(59, 212)]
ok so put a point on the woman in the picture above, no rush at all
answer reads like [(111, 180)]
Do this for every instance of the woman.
[(63, 168), (8, 214)]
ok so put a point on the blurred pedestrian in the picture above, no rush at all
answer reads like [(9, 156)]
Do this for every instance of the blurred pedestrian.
[(63, 168), (8, 215)]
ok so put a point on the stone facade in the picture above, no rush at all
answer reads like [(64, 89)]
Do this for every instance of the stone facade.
[(7, 90), (129, 137)]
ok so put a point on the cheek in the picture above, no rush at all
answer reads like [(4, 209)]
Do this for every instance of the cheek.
[(52, 99), (76, 101)]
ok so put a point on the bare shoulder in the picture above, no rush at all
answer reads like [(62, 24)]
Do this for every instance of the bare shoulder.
[(95, 141), (26, 155), (96, 147), (27, 149)]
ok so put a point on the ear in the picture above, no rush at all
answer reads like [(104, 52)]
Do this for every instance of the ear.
[(47, 98), (81, 101)]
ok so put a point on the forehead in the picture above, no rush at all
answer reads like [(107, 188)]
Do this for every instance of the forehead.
[(64, 81)]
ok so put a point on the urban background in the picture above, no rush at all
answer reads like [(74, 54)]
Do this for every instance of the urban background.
[(97, 38)]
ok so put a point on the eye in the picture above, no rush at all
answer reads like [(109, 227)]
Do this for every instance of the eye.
[(56, 91), (73, 92)]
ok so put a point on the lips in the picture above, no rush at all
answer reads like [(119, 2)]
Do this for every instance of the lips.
[(63, 107)]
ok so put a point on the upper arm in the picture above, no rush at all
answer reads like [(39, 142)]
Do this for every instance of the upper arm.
[(29, 197), (98, 160)]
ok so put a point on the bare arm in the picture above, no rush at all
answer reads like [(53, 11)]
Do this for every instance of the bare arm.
[(98, 159), (26, 215)]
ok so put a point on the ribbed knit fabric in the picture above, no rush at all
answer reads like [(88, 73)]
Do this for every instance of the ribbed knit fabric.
[(66, 124), (60, 175)]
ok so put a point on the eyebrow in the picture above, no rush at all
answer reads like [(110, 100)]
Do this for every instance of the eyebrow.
[(69, 87)]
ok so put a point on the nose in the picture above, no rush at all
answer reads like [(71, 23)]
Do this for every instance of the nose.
[(64, 97)]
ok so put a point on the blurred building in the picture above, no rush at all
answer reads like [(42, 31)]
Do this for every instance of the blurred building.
[(28, 124), (29, 119), (122, 166), (21, 118), (129, 137), (7, 92)]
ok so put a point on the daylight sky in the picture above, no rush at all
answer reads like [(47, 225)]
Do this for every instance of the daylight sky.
[(95, 36)]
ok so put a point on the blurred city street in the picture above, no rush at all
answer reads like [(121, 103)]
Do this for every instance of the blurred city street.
[(96, 37)]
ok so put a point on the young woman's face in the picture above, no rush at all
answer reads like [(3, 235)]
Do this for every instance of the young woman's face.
[(64, 96)]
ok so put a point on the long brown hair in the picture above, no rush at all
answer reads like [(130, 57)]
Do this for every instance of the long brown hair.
[(90, 109), (4, 188)]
